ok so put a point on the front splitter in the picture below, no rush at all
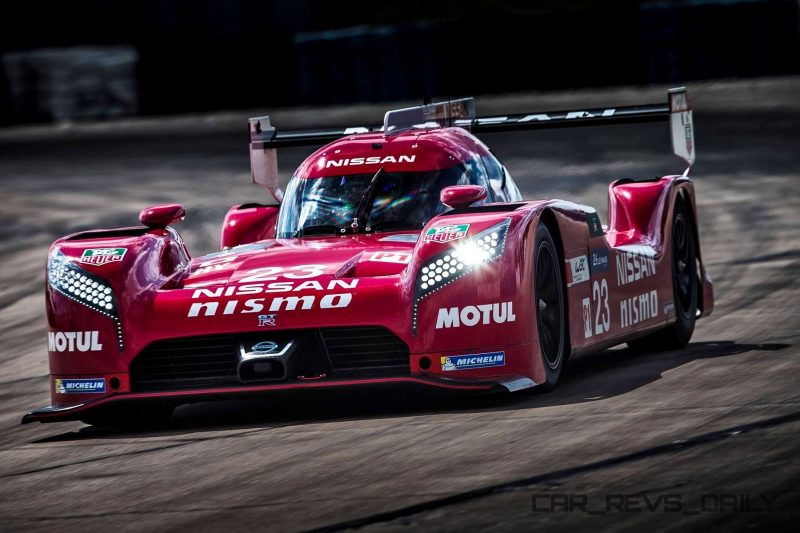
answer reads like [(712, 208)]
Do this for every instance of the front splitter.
[(76, 411)]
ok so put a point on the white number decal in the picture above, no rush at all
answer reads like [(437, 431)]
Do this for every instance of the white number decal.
[(217, 263), (271, 273), (261, 274), (602, 317), (312, 271)]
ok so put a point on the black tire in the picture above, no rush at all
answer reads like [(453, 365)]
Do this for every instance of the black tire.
[(549, 307), (685, 287), (149, 415)]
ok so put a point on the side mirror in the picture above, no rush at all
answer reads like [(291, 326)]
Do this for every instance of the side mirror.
[(462, 195), (161, 216)]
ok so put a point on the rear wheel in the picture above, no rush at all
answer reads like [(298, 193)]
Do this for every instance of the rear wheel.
[(685, 287), (550, 309)]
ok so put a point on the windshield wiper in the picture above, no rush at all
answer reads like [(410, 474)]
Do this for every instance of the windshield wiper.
[(316, 229), (365, 206)]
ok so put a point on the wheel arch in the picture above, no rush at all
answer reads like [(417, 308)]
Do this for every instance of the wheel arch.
[(551, 220), (548, 217), (686, 194)]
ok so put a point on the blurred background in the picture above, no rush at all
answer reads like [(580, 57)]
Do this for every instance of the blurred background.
[(107, 107), (96, 59)]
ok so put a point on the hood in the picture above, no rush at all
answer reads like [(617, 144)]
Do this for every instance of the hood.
[(308, 260)]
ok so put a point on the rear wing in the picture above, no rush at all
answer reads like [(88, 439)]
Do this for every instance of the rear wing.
[(265, 138)]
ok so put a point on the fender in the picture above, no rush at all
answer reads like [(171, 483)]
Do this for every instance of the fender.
[(640, 212), (97, 282), (568, 222), (490, 305)]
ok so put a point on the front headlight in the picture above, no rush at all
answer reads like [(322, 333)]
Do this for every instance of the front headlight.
[(79, 285), (468, 255)]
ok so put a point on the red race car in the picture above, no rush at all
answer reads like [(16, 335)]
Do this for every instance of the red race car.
[(397, 254)]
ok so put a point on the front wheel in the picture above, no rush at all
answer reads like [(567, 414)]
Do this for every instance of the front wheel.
[(550, 308)]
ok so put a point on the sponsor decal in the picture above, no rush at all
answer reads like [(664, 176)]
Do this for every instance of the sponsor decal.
[(280, 303), (266, 320), (638, 309), (391, 257), (542, 117), (472, 315), (74, 341), (264, 347), (374, 160), (595, 228), (442, 234), (587, 318), (261, 306), (247, 289), (669, 308), (600, 262), (467, 362), (688, 130), (102, 256), (578, 270), (80, 386), (635, 263)]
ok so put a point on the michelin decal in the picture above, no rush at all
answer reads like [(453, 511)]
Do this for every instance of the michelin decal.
[(80, 386), (468, 362)]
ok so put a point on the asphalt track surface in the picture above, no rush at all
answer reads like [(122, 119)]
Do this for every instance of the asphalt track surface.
[(705, 437)]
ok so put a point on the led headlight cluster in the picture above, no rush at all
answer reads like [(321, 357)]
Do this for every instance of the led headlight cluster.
[(466, 256), (83, 287)]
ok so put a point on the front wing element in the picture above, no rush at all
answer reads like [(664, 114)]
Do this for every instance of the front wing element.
[(77, 411)]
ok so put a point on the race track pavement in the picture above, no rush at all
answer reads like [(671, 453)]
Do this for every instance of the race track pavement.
[(705, 437)]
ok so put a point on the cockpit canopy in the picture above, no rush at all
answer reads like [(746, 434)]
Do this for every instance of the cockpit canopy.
[(397, 200)]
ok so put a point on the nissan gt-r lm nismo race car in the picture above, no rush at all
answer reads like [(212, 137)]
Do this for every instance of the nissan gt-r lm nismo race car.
[(402, 253)]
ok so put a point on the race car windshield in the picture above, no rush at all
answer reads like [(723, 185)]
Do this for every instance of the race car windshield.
[(400, 200)]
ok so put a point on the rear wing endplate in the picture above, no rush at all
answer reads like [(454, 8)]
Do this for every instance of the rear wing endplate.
[(681, 126)]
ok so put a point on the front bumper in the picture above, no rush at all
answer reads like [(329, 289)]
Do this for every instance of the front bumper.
[(77, 411)]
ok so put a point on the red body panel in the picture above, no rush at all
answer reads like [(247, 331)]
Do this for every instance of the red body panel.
[(408, 151), (370, 280), (248, 223)]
